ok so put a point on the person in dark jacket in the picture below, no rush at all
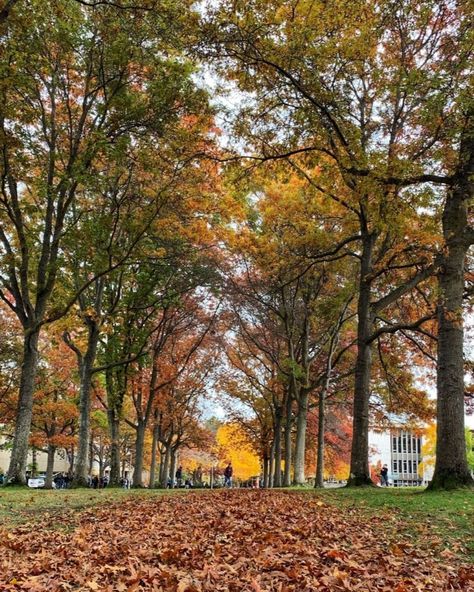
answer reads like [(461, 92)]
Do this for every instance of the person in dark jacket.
[(228, 472), (384, 476)]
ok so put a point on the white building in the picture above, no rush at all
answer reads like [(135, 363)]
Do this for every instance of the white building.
[(400, 450), (61, 464)]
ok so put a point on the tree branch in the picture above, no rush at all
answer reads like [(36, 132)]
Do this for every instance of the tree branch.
[(395, 294), (400, 326)]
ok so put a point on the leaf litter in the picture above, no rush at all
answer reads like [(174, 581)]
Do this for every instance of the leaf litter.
[(228, 541)]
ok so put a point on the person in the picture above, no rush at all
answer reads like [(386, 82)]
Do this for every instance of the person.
[(384, 476), (179, 475), (228, 475)]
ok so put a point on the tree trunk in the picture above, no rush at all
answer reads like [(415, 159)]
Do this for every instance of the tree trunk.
[(277, 449), (91, 454), (271, 464), (173, 465), (34, 462), (48, 484), (319, 480), (154, 447), (265, 471), (19, 455), (139, 452), (162, 466), (360, 474), (71, 458), (87, 366), (451, 468), (114, 430), (101, 464), (300, 447), (288, 443), (166, 467)]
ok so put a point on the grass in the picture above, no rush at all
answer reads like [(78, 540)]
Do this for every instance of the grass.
[(443, 520), (19, 504)]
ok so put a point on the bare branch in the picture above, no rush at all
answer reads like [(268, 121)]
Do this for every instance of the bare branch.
[(393, 328)]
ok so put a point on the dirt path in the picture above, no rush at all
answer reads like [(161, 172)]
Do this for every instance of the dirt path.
[(236, 540)]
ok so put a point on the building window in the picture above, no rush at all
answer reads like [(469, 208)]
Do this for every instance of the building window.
[(399, 443), (394, 443), (418, 440), (404, 442), (409, 444), (394, 466), (405, 469), (409, 466), (400, 469)]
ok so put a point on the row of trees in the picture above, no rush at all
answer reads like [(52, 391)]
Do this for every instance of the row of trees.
[(107, 212), (320, 249), (369, 104)]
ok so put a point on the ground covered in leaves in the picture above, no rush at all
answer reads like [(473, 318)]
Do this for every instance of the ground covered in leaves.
[(239, 540)]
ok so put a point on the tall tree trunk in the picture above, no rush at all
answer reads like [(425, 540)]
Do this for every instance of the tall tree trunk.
[(19, 455), (87, 366), (113, 421), (451, 468), (266, 470), (300, 446), (360, 474), (48, 483), (277, 448), (271, 464), (319, 480), (91, 454), (162, 466), (154, 450), (288, 441), (139, 452), (173, 464), (101, 464), (166, 467), (34, 461), (72, 459)]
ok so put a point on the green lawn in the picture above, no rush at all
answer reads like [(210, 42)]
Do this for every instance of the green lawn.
[(19, 504), (443, 521)]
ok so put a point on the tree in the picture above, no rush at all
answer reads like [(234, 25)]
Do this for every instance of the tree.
[(369, 102), (430, 448), (235, 447), (451, 469), (75, 88), (54, 422)]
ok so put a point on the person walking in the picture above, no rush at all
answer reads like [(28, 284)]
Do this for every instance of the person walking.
[(384, 476), (228, 475)]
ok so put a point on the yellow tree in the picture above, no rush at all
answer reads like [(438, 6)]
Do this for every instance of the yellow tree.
[(235, 447)]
